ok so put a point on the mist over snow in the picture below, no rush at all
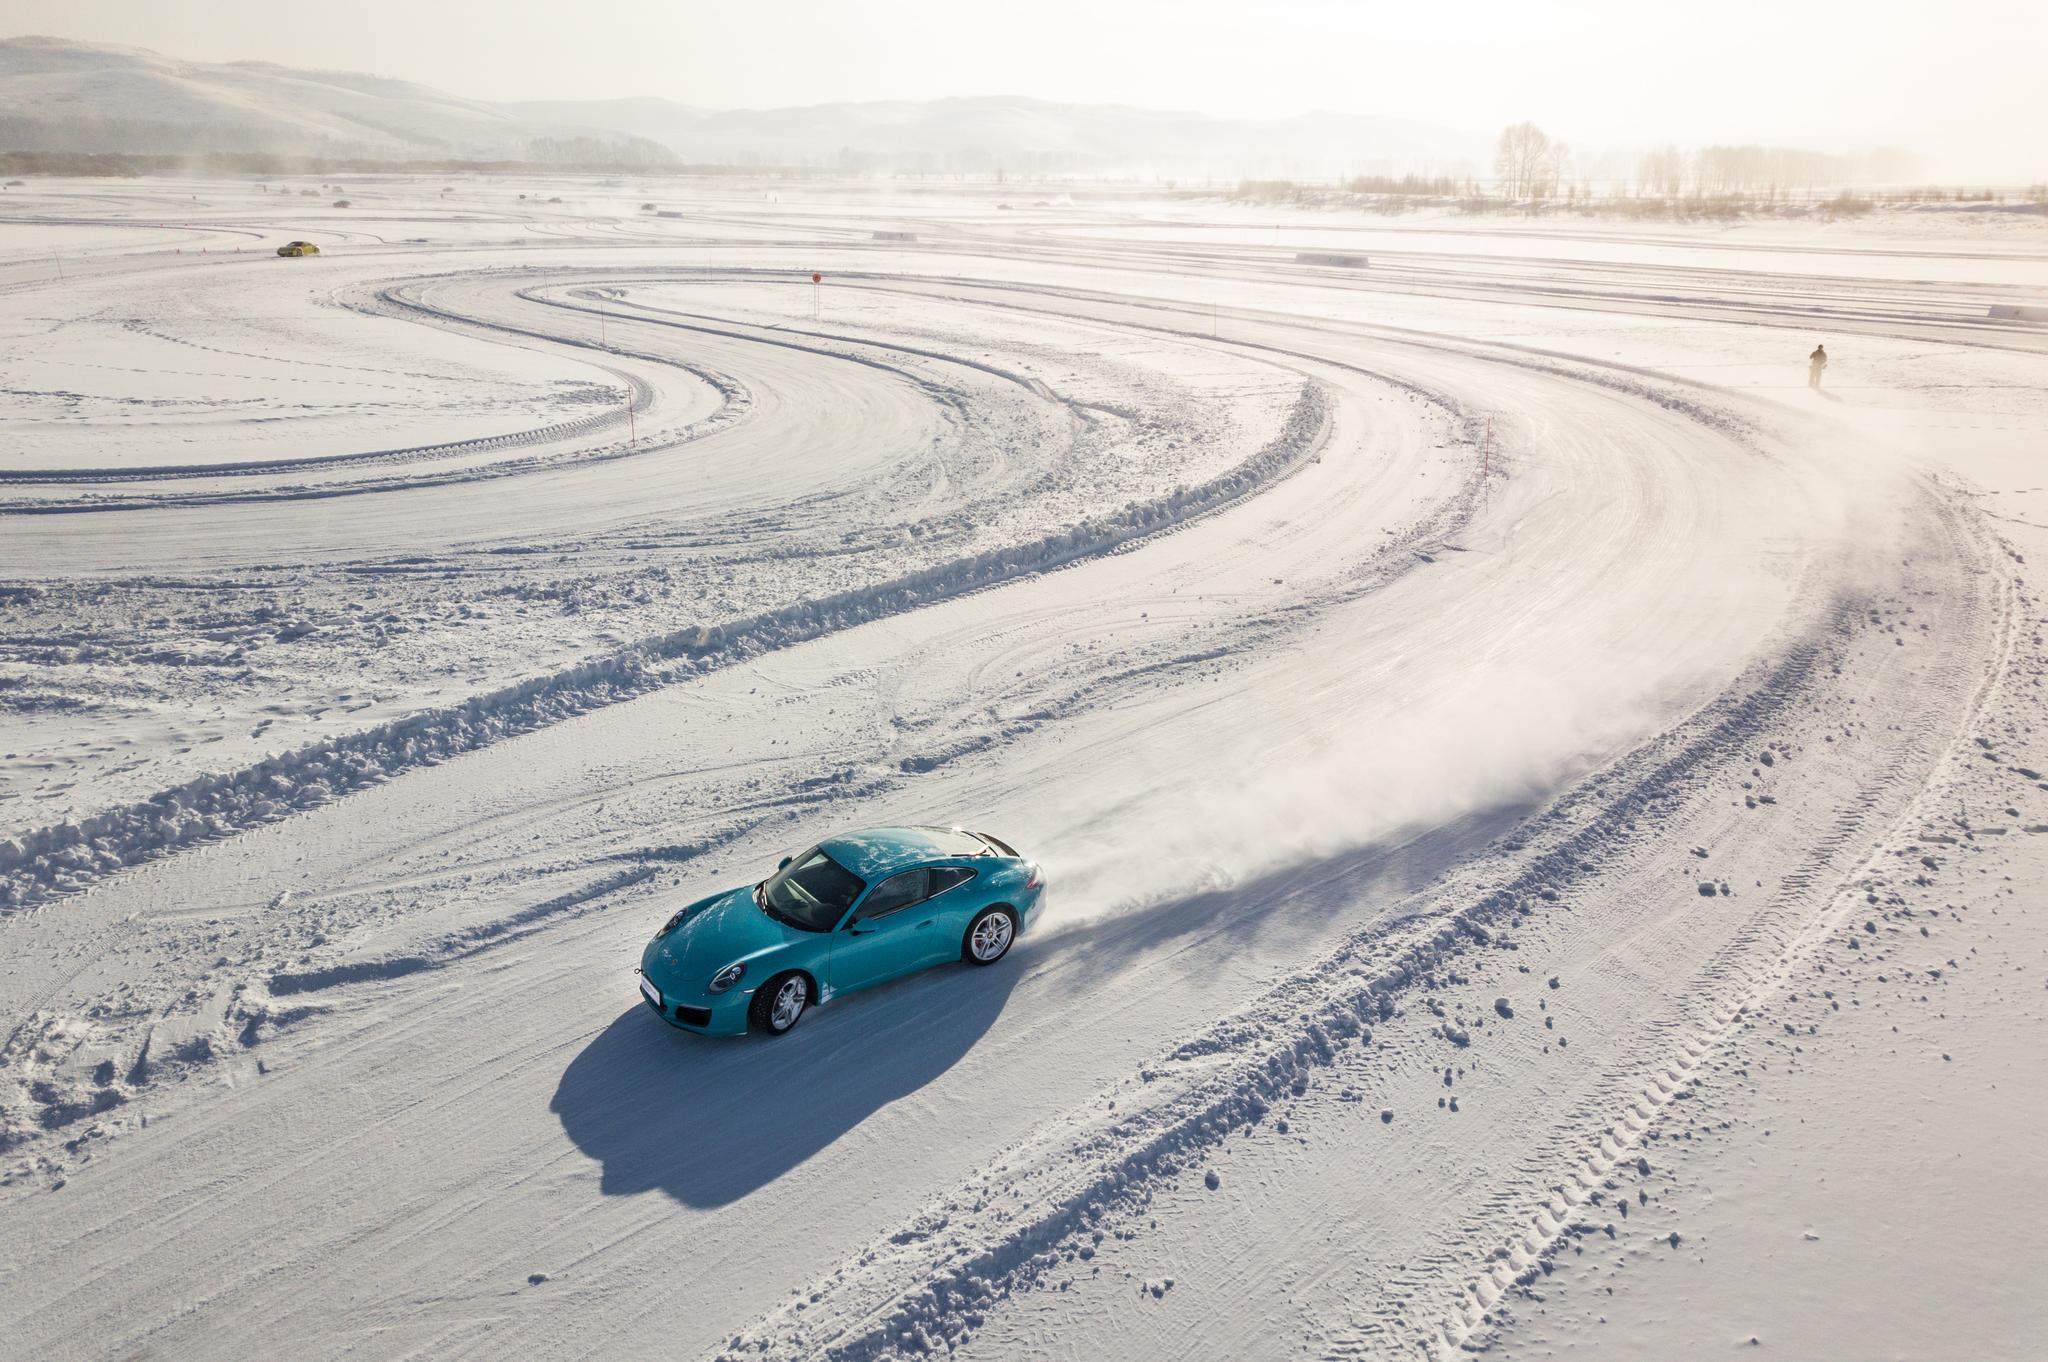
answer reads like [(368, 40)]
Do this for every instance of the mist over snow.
[(57, 95)]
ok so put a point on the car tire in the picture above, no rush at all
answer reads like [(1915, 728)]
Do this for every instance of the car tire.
[(988, 938), (779, 1004)]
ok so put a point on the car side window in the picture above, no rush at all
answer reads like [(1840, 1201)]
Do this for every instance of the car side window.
[(896, 893), (949, 876)]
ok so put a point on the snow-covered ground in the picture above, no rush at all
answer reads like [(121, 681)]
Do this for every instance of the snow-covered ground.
[(1500, 744)]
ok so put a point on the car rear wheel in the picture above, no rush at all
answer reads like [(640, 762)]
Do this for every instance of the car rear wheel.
[(779, 1003), (989, 936)]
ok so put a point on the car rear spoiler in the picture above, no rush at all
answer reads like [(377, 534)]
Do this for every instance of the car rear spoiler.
[(1001, 846)]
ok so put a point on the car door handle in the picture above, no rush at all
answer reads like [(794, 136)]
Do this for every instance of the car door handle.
[(927, 922)]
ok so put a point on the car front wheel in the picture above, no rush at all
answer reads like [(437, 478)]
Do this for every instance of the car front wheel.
[(779, 1003), (989, 936)]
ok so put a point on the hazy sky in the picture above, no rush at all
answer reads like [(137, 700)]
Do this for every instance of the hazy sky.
[(1935, 77)]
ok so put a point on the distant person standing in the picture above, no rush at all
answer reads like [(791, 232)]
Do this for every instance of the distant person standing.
[(1816, 362)]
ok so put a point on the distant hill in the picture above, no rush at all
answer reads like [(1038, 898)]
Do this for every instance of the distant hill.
[(58, 95), (1030, 136)]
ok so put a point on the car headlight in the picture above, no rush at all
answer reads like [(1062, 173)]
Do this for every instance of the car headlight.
[(728, 976)]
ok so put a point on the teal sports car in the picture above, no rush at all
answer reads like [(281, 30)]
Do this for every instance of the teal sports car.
[(851, 912)]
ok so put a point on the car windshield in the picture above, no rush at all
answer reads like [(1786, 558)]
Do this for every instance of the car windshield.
[(812, 892)]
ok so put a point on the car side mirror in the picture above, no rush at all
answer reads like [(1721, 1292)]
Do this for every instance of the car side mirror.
[(783, 864), (859, 926)]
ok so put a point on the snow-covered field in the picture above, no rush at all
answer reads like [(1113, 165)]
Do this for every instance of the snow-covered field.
[(1545, 813)]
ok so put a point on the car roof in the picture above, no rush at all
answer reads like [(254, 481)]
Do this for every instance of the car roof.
[(875, 852)]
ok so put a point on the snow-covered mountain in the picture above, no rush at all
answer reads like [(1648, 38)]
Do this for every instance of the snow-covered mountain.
[(58, 95)]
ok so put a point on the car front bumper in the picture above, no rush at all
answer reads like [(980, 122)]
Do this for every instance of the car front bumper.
[(723, 1015)]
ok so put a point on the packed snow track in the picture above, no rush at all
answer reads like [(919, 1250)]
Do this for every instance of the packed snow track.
[(1447, 698)]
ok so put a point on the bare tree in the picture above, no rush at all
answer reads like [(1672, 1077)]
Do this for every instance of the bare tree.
[(1662, 171), (1556, 160), (1522, 160)]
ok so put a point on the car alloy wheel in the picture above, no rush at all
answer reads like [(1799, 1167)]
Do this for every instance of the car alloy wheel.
[(990, 936), (789, 1003)]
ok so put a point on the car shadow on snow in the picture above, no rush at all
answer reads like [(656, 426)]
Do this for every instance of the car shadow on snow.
[(709, 1120)]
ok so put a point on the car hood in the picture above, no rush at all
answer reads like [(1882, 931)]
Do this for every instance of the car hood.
[(715, 932)]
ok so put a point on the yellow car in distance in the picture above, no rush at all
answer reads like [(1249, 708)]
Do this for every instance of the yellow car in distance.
[(298, 248)]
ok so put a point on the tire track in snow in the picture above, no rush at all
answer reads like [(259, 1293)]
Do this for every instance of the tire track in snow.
[(40, 862), (1809, 905), (735, 401), (928, 1285), (1041, 1211)]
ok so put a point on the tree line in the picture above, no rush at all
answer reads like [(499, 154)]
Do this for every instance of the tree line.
[(599, 153), (1528, 163)]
